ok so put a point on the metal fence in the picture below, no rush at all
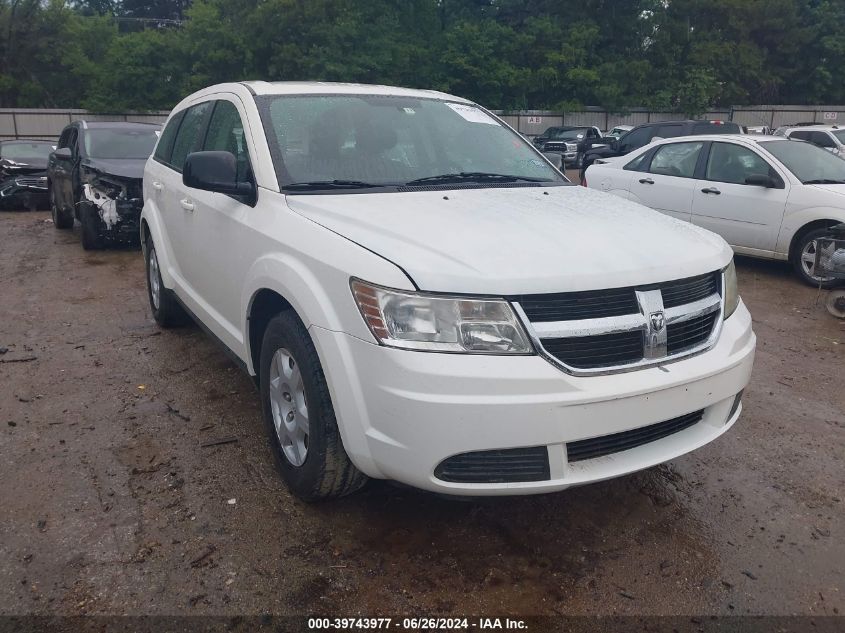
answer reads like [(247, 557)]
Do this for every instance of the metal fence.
[(48, 124)]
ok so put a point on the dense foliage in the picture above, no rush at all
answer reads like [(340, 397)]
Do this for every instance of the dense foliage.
[(684, 55)]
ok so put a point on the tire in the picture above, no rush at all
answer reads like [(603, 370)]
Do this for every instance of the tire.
[(295, 399), (92, 236), (801, 254), (166, 310), (61, 219)]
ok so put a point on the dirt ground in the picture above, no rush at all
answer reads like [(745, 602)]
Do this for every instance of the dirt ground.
[(113, 504)]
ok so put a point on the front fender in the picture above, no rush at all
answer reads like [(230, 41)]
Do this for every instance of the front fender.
[(152, 227)]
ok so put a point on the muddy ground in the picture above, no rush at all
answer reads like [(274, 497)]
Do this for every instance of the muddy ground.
[(111, 503)]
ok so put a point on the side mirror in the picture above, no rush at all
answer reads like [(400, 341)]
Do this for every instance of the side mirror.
[(215, 171), (554, 159), (63, 153), (760, 180)]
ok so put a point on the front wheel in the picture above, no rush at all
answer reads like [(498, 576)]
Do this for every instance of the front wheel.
[(299, 416), (61, 219), (804, 260)]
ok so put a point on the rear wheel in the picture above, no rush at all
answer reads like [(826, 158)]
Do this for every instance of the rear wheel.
[(61, 219), (804, 260), (299, 415)]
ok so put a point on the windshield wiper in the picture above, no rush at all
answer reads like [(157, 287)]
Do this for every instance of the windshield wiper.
[(317, 185), (474, 176), (824, 181)]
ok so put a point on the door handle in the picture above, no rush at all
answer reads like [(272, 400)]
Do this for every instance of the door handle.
[(158, 186), (187, 204), (712, 190), (646, 181)]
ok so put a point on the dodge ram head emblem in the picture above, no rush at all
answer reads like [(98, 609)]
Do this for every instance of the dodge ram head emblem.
[(657, 320)]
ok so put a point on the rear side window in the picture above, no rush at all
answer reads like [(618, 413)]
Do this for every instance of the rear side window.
[(706, 127), (676, 159), (669, 131), (803, 136), (188, 138), (168, 135), (822, 139), (226, 133), (635, 139)]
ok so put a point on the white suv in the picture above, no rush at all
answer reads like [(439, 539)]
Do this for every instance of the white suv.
[(422, 297), (830, 137)]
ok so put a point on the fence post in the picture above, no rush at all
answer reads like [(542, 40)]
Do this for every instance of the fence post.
[(15, 124)]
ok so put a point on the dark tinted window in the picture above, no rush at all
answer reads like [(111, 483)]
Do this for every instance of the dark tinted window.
[(120, 142), (639, 163), (734, 163), (188, 138), (64, 139), (706, 127), (168, 135), (226, 133), (635, 139), (822, 139), (801, 135), (669, 131), (676, 159)]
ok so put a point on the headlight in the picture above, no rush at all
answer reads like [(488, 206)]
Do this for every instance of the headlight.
[(731, 292), (440, 323)]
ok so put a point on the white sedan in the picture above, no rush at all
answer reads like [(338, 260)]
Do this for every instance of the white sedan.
[(768, 196)]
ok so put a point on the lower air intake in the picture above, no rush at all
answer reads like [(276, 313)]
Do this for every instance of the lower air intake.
[(618, 442), (496, 467)]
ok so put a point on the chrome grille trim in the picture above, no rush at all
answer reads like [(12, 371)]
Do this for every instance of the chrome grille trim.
[(655, 351)]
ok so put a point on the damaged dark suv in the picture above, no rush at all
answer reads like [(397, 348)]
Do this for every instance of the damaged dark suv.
[(23, 174), (95, 176)]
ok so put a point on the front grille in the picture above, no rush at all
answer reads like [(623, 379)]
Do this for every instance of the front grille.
[(596, 304), (499, 466), (593, 352), (571, 306), (34, 182), (688, 334), (626, 440), (676, 293), (599, 331)]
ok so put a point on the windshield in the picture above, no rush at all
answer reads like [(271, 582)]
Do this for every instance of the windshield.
[(567, 134), (839, 134), (25, 152), (120, 143), (808, 162), (392, 140)]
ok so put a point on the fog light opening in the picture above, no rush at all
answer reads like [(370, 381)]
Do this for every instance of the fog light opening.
[(734, 406)]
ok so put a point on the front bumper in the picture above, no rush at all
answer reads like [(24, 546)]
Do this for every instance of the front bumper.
[(125, 227), (23, 193), (401, 413)]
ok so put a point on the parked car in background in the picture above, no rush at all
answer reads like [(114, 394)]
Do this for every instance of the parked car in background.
[(23, 174), (618, 131), (422, 297), (829, 137), (764, 130), (571, 142), (94, 176), (768, 196), (644, 134)]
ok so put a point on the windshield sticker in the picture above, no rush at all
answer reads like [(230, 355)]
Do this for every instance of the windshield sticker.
[(472, 114), (409, 110)]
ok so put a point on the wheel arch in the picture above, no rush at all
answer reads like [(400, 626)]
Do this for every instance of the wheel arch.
[(263, 306), (806, 228)]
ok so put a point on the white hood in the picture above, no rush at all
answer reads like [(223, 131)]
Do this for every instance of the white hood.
[(518, 240)]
